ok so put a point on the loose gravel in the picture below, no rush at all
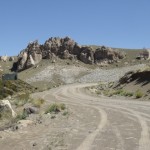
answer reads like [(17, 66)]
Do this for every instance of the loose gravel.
[(110, 75), (73, 74)]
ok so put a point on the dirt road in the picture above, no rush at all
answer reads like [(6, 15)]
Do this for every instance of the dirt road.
[(94, 123)]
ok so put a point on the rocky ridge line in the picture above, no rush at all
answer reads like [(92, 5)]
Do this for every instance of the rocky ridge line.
[(65, 48)]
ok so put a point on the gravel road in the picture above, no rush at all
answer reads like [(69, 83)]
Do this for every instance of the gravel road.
[(94, 123)]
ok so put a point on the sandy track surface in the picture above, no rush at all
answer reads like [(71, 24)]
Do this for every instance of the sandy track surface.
[(94, 124)]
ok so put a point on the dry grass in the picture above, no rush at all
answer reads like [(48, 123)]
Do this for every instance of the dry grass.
[(138, 94), (55, 108), (37, 102)]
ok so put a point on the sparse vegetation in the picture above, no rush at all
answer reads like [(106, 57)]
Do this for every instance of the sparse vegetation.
[(13, 87), (98, 92), (37, 102), (119, 92), (129, 94), (22, 99), (55, 108), (5, 114), (65, 113), (21, 116), (138, 94), (62, 106)]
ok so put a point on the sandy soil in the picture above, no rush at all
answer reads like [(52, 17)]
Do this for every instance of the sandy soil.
[(93, 123)]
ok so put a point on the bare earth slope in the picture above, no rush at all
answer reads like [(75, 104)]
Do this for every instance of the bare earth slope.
[(93, 124)]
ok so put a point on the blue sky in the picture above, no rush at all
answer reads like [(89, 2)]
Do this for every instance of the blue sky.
[(114, 23)]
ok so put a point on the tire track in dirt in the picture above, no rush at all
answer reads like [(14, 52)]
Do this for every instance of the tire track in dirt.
[(88, 141), (75, 93), (135, 115)]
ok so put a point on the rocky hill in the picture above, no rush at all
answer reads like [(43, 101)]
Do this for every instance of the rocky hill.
[(65, 48)]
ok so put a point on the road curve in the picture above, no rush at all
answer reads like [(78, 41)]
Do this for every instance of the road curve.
[(94, 123), (123, 124)]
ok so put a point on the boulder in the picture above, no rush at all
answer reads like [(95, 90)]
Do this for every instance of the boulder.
[(67, 55), (30, 56), (6, 106), (67, 44), (58, 45), (4, 58), (11, 59), (30, 62), (77, 50), (36, 57), (87, 55), (22, 58), (107, 54), (30, 110), (53, 45)]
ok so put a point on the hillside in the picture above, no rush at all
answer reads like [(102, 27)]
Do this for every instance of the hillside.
[(51, 101), (11, 88), (47, 74), (61, 61), (134, 84), (137, 81)]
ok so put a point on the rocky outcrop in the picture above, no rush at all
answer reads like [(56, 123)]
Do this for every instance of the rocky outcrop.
[(22, 59), (107, 54), (30, 56), (87, 55), (64, 48), (11, 58)]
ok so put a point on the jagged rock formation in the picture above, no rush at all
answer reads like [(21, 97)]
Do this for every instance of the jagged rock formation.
[(107, 54), (64, 48), (87, 55)]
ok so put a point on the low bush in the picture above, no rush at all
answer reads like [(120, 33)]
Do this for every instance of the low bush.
[(21, 116), (38, 102), (62, 106), (119, 92), (129, 94), (21, 99), (65, 113), (138, 94), (55, 108)]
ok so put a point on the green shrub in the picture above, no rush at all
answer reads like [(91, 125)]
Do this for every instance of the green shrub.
[(23, 96), (138, 94), (37, 102), (119, 92), (98, 92), (23, 115), (62, 106), (129, 94), (55, 108), (22, 99), (106, 93), (65, 113)]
